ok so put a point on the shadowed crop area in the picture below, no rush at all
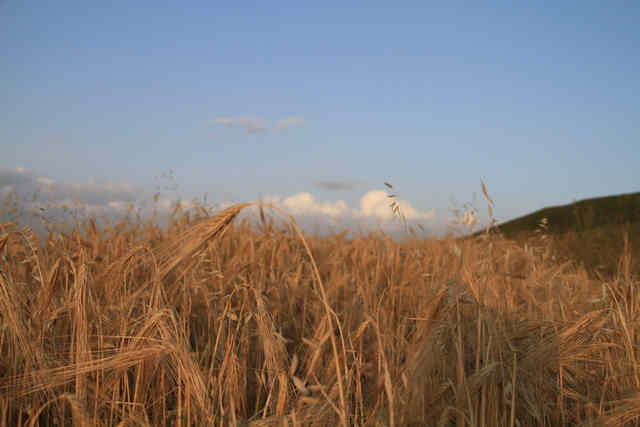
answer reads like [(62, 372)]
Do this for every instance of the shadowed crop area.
[(219, 321)]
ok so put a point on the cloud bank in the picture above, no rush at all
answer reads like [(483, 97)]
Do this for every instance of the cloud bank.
[(52, 199), (114, 200), (373, 212), (253, 125), (27, 184)]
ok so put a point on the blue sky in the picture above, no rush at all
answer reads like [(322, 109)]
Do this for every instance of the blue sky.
[(315, 107)]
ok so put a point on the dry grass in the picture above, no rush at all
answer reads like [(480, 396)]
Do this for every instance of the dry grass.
[(214, 323)]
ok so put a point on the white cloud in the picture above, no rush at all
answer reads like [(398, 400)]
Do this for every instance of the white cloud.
[(373, 212), (376, 204), (306, 204)]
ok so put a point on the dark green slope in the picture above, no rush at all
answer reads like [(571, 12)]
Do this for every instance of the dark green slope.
[(579, 216)]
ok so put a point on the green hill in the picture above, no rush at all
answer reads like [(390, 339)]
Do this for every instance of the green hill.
[(602, 234), (579, 216)]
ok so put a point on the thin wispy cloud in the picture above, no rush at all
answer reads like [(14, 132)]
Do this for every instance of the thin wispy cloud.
[(283, 125), (253, 125), (338, 185)]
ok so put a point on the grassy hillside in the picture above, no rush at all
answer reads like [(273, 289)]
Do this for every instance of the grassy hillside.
[(584, 215), (591, 232)]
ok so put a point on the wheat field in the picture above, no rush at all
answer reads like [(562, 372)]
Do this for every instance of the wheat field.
[(216, 320)]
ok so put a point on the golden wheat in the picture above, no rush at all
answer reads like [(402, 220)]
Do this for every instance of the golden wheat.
[(212, 322)]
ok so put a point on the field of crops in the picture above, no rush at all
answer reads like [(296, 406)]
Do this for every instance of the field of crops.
[(220, 321)]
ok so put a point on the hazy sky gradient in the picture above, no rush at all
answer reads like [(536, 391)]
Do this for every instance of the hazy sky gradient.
[(274, 99)]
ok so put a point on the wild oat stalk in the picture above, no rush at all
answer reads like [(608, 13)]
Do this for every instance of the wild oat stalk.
[(395, 208)]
